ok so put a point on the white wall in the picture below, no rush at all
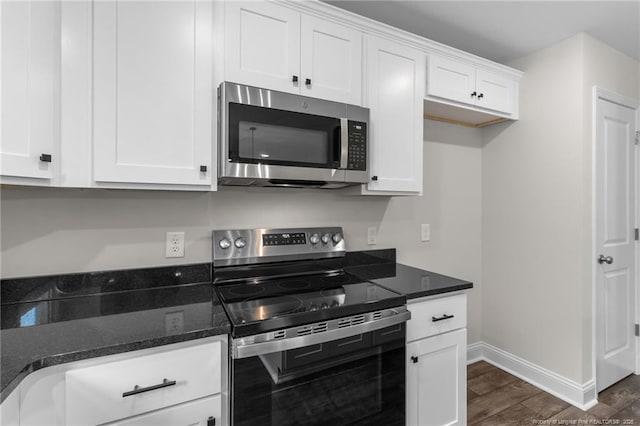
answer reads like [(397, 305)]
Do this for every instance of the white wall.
[(48, 231), (536, 207)]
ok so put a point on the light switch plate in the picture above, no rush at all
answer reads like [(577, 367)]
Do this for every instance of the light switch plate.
[(425, 232), (371, 235)]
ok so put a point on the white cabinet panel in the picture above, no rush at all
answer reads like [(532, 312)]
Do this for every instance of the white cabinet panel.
[(436, 316), (95, 395), (331, 58), (274, 47), (30, 74), (153, 92), (451, 80), (395, 87), (262, 45), (497, 91), (10, 409), (436, 380), (193, 413), (456, 82)]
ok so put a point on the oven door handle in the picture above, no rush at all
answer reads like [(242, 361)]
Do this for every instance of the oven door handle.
[(244, 347)]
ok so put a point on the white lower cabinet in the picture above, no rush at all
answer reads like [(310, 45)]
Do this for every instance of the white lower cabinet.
[(202, 412), (436, 362), (122, 388), (178, 384), (10, 409), (436, 380)]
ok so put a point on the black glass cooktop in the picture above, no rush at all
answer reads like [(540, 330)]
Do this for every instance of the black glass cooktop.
[(257, 306)]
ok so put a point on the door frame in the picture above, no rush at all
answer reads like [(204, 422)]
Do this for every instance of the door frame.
[(600, 93)]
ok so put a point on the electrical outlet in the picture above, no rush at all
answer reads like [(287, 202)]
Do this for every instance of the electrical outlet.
[(174, 323), (425, 232), (371, 235), (175, 244)]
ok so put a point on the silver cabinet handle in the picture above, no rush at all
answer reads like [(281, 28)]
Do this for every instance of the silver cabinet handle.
[(605, 259)]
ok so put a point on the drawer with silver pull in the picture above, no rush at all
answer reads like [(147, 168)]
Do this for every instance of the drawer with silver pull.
[(434, 316), (117, 387)]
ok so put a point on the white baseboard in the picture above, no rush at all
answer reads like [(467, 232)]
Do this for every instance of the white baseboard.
[(582, 396)]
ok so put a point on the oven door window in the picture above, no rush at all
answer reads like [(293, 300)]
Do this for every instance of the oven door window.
[(358, 380), (260, 135)]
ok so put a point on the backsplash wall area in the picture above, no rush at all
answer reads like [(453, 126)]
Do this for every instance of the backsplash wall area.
[(49, 231)]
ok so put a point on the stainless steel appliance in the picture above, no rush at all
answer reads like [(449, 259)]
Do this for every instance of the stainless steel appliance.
[(310, 343), (270, 138)]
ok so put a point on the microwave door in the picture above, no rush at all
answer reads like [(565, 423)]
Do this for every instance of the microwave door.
[(259, 135), (282, 145)]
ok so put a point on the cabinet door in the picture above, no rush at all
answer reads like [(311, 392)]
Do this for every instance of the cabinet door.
[(395, 90), (10, 409), (193, 413), (437, 380), (153, 92), (498, 93), (451, 80), (331, 59), (262, 46), (30, 74)]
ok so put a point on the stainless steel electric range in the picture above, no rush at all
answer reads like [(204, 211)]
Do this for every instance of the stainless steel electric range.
[(310, 343)]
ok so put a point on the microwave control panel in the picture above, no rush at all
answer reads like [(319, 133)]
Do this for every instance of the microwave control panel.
[(357, 159)]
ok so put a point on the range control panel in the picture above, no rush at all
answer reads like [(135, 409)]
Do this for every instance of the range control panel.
[(250, 246)]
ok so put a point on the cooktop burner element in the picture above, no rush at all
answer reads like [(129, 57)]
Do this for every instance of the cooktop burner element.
[(269, 279)]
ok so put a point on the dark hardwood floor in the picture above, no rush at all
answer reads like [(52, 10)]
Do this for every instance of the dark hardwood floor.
[(495, 397)]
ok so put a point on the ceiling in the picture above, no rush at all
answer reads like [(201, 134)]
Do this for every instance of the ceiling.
[(507, 30)]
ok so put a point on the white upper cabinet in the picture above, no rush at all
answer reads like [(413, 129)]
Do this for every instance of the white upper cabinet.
[(495, 92), (29, 85), (487, 96), (331, 61), (262, 45), (395, 87), (153, 92), (272, 46)]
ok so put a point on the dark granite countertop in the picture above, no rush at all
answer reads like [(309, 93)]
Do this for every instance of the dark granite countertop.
[(380, 267), (53, 320)]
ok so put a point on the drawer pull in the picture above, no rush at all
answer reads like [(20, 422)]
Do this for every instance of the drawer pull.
[(442, 318), (137, 389)]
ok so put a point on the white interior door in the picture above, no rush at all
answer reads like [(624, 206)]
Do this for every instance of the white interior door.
[(615, 245)]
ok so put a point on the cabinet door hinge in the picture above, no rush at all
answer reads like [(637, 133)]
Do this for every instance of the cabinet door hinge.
[(637, 136), (637, 329), (637, 234), (211, 421)]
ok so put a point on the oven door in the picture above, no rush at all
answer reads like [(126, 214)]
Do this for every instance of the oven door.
[(354, 380)]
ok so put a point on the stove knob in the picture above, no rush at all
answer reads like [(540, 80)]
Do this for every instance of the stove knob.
[(326, 238), (337, 237), (240, 242), (224, 243), (324, 306), (313, 308), (335, 304), (314, 239)]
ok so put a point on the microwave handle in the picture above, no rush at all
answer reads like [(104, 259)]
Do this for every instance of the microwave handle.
[(344, 142)]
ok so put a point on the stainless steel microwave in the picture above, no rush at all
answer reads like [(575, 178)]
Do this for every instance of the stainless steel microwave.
[(270, 138)]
